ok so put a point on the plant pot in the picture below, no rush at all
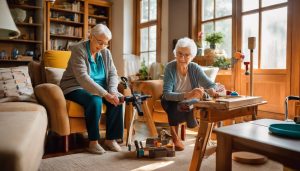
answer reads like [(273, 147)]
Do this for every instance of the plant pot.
[(212, 46), (209, 55)]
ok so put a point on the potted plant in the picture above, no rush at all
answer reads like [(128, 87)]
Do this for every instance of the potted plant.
[(214, 38), (222, 62), (143, 72)]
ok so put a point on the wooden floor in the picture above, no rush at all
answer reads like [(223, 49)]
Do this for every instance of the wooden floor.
[(78, 142)]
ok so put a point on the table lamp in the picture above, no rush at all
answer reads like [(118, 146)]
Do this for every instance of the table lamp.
[(8, 29)]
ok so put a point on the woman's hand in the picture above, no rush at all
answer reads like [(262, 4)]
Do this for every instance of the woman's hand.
[(218, 91), (112, 98), (196, 93)]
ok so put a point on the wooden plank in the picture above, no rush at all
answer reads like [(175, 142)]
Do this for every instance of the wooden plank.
[(234, 102), (203, 135), (149, 119), (230, 102)]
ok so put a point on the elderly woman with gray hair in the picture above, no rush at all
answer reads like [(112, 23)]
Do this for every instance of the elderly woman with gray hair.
[(90, 80), (184, 80)]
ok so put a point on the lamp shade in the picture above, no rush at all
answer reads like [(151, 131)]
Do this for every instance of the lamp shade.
[(8, 28)]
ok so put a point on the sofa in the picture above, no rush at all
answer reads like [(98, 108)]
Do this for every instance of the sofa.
[(65, 116), (23, 122)]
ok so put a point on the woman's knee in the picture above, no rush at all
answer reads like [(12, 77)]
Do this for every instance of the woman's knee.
[(95, 101)]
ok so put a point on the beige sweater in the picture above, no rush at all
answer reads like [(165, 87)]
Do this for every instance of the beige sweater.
[(77, 74)]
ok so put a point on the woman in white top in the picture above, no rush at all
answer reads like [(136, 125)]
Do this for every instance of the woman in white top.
[(183, 80)]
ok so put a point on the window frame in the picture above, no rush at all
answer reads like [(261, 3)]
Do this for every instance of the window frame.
[(259, 11), (237, 29), (148, 24), (214, 20)]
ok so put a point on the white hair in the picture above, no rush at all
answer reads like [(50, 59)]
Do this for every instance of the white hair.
[(100, 29), (186, 42)]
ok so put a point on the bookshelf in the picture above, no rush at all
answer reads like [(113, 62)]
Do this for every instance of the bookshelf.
[(68, 22), (28, 17)]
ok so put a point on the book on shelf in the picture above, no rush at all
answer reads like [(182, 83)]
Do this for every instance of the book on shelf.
[(69, 6), (59, 44)]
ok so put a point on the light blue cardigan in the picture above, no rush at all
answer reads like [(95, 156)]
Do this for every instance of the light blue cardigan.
[(197, 77)]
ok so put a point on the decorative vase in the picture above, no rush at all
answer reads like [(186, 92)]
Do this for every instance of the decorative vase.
[(19, 15), (212, 46), (199, 52), (3, 54), (14, 53)]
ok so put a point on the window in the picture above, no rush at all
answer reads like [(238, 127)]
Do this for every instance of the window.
[(217, 17), (271, 32), (148, 27), (257, 20)]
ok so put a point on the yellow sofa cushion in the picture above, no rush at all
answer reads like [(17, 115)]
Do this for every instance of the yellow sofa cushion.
[(76, 110), (56, 59)]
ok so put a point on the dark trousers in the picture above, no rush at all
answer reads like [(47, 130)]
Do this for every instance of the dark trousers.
[(175, 116), (92, 105)]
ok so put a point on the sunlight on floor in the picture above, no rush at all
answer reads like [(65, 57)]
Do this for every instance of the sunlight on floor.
[(191, 132), (153, 166)]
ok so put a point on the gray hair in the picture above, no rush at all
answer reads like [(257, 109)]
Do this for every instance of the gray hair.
[(186, 42), (100, 29)]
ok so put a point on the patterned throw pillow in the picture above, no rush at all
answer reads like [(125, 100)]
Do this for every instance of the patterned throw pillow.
[(15, 85)]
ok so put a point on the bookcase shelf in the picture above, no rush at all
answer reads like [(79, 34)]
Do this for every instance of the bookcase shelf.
[(21, 41), (25, 6), (29, 24), (65, 37), (98, 17), (32, 33), (65, 10), (67, 23)]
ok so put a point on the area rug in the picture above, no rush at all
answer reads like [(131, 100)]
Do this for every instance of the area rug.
[(127, 161)]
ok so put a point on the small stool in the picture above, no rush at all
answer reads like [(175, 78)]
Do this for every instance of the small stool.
[(249, 158)]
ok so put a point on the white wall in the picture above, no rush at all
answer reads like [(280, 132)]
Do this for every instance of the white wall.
[(117, 34), (165, 31), (178, 22), (122, 30)]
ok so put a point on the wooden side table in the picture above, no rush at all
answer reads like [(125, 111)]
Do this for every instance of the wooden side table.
[(254, 136)]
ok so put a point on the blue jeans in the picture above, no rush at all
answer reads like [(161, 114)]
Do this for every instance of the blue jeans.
[(92, 105)]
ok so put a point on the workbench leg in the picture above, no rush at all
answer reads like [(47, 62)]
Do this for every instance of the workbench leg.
[(254, 114), (204, 132), (149, 120), (130, 129)]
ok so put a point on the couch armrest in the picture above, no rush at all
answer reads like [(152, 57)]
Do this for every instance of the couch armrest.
[(35, 73), (52, 98)]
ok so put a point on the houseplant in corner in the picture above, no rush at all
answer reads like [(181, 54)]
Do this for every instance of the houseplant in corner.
[(222, 62), (143, 72), (214, 38)]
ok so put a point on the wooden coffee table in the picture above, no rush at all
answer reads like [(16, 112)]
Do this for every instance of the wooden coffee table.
[(255, 137), (217, 110)]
